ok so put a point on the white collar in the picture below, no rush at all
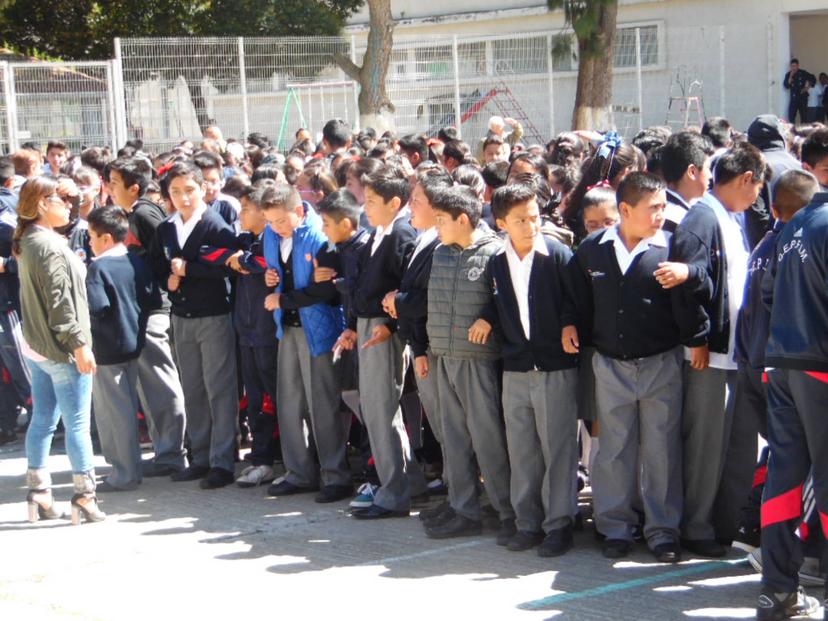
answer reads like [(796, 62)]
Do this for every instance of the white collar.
[(118, 250), (611, 235), (384, 230), (539, 246), (197, 215), (678, 197)]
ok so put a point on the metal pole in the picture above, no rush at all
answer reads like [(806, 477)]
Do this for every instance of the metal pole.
[(638, 77), (722, 68), (458, 117), (356, 86), (120, 95), (110, 100), (11, 107), (770, 79), (550, 76), (243, 89)]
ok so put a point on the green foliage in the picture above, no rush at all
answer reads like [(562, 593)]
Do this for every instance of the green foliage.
[(584, 18), (84, 29)]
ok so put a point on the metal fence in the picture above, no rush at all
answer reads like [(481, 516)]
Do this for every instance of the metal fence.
[(167, 90)]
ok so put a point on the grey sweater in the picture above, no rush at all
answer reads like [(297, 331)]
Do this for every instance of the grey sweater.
[(54, 311), (460, 291)]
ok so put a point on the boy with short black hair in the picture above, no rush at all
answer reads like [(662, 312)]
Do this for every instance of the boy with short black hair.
[(461, 316), (685, 166), (637, 333), (815, 156), (121, 291), (381, 364), (204, 337), (212, 168), (540, 379), (56, 155), (336, 136), (711, 242), (159, 385), (309, 320)]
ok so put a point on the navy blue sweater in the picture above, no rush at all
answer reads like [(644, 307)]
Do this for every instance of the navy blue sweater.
[(350, 254), (121, 292), (381, 272), (411, 300), (550, 285), (698, 242), (204, 291), (754, 318), (9, 283), (632, 315), (144, 218), (794, 289)]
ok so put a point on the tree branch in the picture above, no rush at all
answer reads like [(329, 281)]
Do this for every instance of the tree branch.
[(350, 68)]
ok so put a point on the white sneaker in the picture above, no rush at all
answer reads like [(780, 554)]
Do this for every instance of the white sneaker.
[(755, 559), (255, 475)]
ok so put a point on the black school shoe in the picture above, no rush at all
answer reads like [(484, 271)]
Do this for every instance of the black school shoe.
[(506, 531), (616, 548), (283, 487), (334, 493), (524, 540), (193, 473), (556, 542), (430, 514), (777, 606), (375, 512), (216, 478), (458, 526), (709, 548), (748, 538), (668, 552)]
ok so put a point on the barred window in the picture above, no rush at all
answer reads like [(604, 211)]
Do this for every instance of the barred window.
[(520, 56), (625, 46)]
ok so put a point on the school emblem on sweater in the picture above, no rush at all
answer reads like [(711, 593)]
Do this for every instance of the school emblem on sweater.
[(475, 273)]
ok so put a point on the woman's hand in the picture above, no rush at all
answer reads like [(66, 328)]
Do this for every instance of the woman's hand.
[(85, 360)]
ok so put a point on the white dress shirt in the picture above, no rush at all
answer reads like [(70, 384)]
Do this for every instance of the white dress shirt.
[(520, 271), (382, 231), (428, 236), (184, 229), (624, 257)]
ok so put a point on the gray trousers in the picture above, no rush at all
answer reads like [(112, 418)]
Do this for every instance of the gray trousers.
[(307, 406), (381, 370), (472, 427), (206, 352), (541, 428), (115, 400), (159, 388), (639, 411), (427, 388), (706, 422)]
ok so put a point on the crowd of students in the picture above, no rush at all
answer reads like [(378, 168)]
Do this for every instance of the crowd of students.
[(638, 313)]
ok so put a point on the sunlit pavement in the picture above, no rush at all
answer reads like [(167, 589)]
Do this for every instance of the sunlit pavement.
[(173, 551)]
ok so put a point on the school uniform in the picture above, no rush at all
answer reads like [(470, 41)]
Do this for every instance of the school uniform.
[(350, 252), (121, 291), (256, 340), (539, 383), (382, 367), (412, 312), (15, 385), (460, 291), (159, 384), (204, 337), (797, 357), (675, 211), (638, 372), (308, 324), (712, 241)]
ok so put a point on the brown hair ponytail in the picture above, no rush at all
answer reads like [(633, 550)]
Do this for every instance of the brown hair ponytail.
[(28, 208)]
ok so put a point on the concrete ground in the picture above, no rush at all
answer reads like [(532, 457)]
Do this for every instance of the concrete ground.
[(173, 551)]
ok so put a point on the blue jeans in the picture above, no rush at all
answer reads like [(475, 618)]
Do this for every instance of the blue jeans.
[(59, 390)]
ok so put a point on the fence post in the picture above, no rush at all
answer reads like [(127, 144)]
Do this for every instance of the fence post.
[(550, 76), (638, 78), (8, 95), (722, 69), (356, 86), (771, 78), (120, 95), (11, 107), (243, 89), (458, 116), (110, 102)]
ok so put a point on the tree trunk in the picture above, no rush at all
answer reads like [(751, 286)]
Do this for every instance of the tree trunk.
[(593, 98), (375, 107)]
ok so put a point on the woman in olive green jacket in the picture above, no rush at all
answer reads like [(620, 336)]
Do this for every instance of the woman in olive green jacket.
[(57, 347)]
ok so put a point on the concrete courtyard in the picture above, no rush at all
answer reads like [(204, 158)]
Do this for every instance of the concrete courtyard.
[(173, 551)]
